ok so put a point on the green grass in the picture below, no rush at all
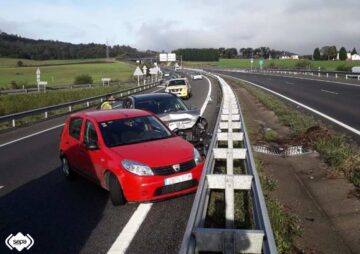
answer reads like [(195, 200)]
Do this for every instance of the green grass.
[(288, 63), (64, 74), (270, 135), (20, 102), (12, 62)]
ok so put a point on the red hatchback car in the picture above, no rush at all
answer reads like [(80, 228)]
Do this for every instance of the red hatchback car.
[(131, 153)]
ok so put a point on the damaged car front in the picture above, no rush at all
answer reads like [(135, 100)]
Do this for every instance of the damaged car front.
[(184, 121)]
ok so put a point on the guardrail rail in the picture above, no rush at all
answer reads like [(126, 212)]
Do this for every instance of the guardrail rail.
[(69, 105), (198, 238)]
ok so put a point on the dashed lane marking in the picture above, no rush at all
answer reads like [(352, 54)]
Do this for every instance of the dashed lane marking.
[(327, 91)]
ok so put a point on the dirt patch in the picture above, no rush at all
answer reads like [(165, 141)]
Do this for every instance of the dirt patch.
[(326, 203)]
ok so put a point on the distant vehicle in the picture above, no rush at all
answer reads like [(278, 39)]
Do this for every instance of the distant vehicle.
[(180, 87), (175, 114), (131, 153), (196, 76)]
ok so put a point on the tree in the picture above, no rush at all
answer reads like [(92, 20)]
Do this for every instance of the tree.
[(353, 52), (342, 54), (332, 52), (20, 63), (316, 54)]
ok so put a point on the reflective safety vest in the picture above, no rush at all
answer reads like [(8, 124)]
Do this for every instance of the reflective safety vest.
[(106, 105)]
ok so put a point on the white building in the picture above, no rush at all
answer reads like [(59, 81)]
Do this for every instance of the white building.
[(355, 57), (295, 57)]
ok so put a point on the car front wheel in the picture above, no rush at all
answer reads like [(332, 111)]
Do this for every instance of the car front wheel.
[(65, 168), (116, 194)]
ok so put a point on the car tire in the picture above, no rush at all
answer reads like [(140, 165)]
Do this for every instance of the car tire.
[(66, 169), (116, 194)]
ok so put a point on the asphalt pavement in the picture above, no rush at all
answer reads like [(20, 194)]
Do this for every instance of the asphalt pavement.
[(337, 100), (77, 216)]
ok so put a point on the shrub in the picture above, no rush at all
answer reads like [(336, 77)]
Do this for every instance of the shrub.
[(303, 64), (83, 79), (343, 67), (20, 63)]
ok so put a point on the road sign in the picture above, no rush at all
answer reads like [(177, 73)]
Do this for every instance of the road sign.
[(138, 72), (153, 71)]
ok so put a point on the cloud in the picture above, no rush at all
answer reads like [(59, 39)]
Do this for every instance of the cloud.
[(297, 25)]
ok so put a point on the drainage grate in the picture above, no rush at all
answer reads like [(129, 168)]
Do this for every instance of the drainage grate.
[(285, 152)]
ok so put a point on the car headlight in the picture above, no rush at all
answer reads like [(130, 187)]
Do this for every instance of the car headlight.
[(137, 168), (197, 157), (166, 90)]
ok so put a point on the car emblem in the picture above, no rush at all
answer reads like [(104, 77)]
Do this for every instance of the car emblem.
[(176, 167)]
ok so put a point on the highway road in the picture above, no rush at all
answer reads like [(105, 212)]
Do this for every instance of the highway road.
[(337, 100), (77, 216)]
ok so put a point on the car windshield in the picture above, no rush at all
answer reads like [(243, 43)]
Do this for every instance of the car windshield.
[(177, 82), (161, 105), (133, 130)]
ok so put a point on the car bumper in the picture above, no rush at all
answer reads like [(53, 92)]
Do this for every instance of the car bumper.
[(182, 94), (148, 188)]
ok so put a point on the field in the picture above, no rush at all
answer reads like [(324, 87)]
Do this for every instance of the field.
[(60, 72), (245, 63)]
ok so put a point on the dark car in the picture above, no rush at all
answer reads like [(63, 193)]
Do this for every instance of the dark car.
[(174, 113)]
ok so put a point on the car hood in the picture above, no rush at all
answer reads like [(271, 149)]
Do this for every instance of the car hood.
[(180, 119), (157, 153)]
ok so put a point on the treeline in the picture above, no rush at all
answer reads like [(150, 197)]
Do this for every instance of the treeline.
[(192, 54), (14, 46), (261, 52), (330, 53)]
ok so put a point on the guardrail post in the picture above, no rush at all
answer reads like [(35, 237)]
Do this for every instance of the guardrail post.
[(69, 108), (327, 75), (13, 123), (336, 76), (46, 114), (88, 104), (319, 74), (346, 76)]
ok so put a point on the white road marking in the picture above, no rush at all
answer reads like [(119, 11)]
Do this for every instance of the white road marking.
[(129, 231), (304, 106), (207, 98), (1, 186), (289, 83), (327, 91), (31, 135)]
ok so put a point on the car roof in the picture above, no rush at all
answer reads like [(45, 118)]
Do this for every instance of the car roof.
[(107, 115), (152, 96)]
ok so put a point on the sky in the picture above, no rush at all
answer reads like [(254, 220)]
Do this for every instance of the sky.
[(297, 26)]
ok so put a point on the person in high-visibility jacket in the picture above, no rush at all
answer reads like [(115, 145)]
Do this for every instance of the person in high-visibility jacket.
[(108, 103)]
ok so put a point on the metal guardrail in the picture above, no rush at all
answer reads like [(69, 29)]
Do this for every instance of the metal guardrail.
[(312, 73), (58, 87), (69, 105), (197, 237)]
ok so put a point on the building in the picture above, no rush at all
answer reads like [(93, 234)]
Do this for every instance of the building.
[(355, 57)]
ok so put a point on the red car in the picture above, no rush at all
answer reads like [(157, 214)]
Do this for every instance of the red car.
[(131, 153)]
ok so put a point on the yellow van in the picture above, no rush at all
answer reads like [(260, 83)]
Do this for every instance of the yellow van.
[(180, 87)]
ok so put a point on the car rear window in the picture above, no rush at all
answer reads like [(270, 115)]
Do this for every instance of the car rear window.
[(75, 127), (161, 105), (178, 82)]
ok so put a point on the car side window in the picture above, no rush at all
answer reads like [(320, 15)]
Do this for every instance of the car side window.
[(90, 134), (75, 127)]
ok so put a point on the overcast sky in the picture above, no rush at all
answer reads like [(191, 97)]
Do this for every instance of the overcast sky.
[(294, 25)]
